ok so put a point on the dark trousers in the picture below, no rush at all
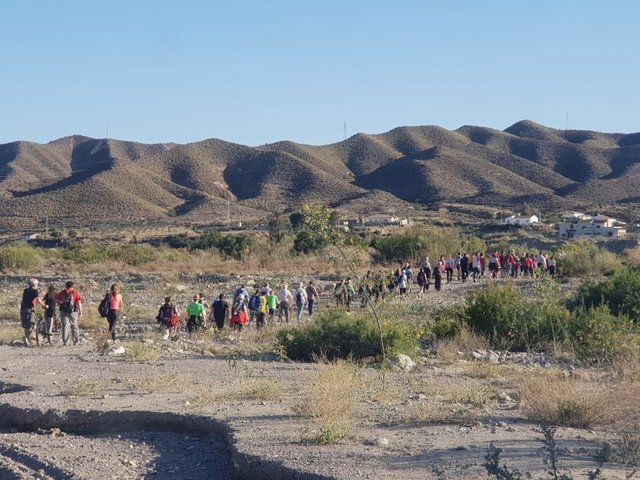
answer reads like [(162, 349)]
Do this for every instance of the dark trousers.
[(194, 323), (310, 303), (112, 318)]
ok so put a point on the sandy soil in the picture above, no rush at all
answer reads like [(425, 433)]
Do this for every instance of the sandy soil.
[(71, 412)]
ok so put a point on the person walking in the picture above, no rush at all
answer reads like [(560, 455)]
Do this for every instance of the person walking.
[(168, 318), (261, 315), (301, 301), (30, 298), (115, 305), (272, 302), (220, 311), (312, 297), (285, 298), (239, 316), (70, 303), (195, 310), (50, 310)]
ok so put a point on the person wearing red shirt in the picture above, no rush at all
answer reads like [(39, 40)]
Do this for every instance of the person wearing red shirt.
[(70, 304)]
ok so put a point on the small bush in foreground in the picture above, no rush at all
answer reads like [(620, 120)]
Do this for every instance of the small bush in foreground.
[(578, 403), (336, 334), (550, 454), (331, 400), (141, 351)]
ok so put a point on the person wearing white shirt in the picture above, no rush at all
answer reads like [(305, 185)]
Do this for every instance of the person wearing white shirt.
[(301, 301), (284, 298)]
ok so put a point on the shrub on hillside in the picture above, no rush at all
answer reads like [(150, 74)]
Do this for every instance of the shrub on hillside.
[(20, 257), (86, 254), (336, 334), (620, 292), (585, 259), (130, 254), (233, 246), (418, 242)]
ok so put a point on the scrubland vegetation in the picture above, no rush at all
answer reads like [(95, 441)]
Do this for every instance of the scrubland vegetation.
[(592, 326)]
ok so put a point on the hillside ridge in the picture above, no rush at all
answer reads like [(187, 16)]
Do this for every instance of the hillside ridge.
[(81, 177)]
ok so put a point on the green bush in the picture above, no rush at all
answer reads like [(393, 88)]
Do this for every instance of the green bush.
[(419, 242), (621, 293), (584, 259), (513, 321), (599, 337), (234, 246), (136, 254), (129, 254), (336, 334), (86, 254), (449, 322), (20, 257)]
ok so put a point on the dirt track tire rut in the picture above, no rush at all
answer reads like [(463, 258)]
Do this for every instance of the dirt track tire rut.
[(209, 440)]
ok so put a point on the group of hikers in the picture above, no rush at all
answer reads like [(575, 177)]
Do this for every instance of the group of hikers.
[(259, 308), (461, 266), (69, 303), (264, 305)]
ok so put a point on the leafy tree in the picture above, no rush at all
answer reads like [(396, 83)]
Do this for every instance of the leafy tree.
[(315, 231)]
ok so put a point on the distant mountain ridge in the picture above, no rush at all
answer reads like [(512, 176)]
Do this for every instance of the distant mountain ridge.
[(80, 177)]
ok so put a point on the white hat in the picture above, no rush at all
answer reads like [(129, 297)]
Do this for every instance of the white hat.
[(33, 282)]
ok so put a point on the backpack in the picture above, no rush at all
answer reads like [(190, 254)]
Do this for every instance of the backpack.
[(104, 307), (67, 305), (299, 297), (237, 305), (255, 302)]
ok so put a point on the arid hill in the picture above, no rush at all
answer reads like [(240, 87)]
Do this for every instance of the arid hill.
[(83, 178)]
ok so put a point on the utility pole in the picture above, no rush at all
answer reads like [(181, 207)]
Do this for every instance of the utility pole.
[(344, 131)]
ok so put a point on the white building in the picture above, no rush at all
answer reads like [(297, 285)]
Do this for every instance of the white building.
[(599, 226), (522, 220)]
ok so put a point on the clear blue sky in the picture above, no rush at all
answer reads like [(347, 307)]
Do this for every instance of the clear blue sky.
[(260, 71)]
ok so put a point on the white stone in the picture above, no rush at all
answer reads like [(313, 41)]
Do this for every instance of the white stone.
[(116, 350), (503, 397), (403, 362), (383, 442)]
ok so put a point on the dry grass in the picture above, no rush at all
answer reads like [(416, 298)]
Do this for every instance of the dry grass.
[(83, 387), (102, 340), (142, 352), (331, 400), (464, 341), (159, 383), (246, 385), (488, 371), (90, 320), (580, 403), (456, 391), (10, 333)]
